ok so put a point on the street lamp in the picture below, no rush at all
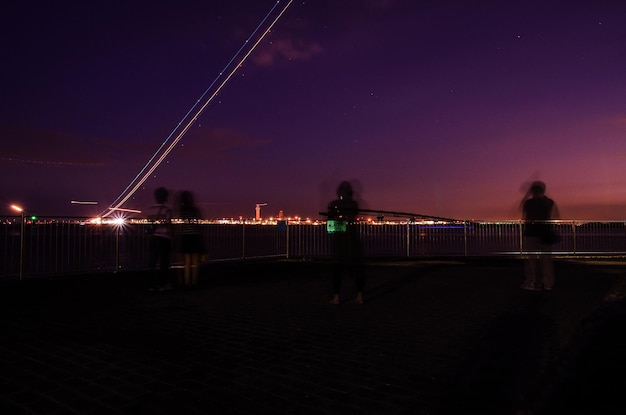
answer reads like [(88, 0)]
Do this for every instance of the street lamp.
[(19, 209)]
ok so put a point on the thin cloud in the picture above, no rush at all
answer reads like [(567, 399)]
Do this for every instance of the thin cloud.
[(36, 146), (285, 49)]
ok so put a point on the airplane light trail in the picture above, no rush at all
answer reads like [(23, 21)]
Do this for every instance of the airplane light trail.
[(124, 210), (152, 165)]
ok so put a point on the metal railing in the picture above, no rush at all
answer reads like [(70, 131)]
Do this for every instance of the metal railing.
[(49, 246)]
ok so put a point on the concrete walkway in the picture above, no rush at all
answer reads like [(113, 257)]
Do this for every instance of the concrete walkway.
[(433, 337)]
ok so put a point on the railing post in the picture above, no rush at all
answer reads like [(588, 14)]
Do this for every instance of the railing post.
[(22, 236), (521, 238), (243, 240), (408, 238), (465, 238), (287, 239), (574, 236), (117, 248)]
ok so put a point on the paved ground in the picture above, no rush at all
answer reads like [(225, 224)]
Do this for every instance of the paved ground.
[(433, 337)]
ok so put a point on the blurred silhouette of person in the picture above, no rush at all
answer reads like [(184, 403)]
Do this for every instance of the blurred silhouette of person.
[(160, 216), (537, 209), (346, 242), (191, 242)]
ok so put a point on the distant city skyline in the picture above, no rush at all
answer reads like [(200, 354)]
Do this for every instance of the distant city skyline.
[(448, 109)]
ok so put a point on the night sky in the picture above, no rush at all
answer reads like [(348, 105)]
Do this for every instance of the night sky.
[(445, 108)]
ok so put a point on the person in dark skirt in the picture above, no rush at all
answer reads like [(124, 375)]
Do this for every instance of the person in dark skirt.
[(160, 241), (191, 239)]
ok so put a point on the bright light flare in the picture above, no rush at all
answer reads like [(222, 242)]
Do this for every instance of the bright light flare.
[(118, 221), (17, 208)]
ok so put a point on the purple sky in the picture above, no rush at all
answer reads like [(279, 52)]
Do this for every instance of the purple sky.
[(444, 108)]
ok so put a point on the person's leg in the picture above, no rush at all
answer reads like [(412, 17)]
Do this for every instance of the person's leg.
[(180, 277), (548, 272), (530, 272), (337, 274), (153, 258), (359, 297), (195, 269), (167, 255), (164, 246), (531, 267), (187, 273), (359, 269)]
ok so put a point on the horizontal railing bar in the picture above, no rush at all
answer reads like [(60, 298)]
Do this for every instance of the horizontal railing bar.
[(66, 245)]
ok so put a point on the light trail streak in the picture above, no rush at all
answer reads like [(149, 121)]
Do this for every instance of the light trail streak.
[(153, 164), (83, 202), (117, 209)]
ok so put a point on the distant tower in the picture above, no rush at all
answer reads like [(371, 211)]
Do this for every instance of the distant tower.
[(258, 210), (281, 215)]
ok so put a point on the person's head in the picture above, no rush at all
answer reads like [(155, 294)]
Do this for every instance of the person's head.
[(160, 195), (344, 191), (538, 188)]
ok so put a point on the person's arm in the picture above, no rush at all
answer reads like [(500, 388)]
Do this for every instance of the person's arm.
[(555, 212), (524, 199)]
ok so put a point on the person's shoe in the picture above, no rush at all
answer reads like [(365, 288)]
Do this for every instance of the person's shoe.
[(528, 287), (359, 298), (166, 287), (335, 300)]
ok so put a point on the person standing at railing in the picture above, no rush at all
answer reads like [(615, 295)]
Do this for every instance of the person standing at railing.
[(346, 242), (191, 242), (537, 210), (160, 234)]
